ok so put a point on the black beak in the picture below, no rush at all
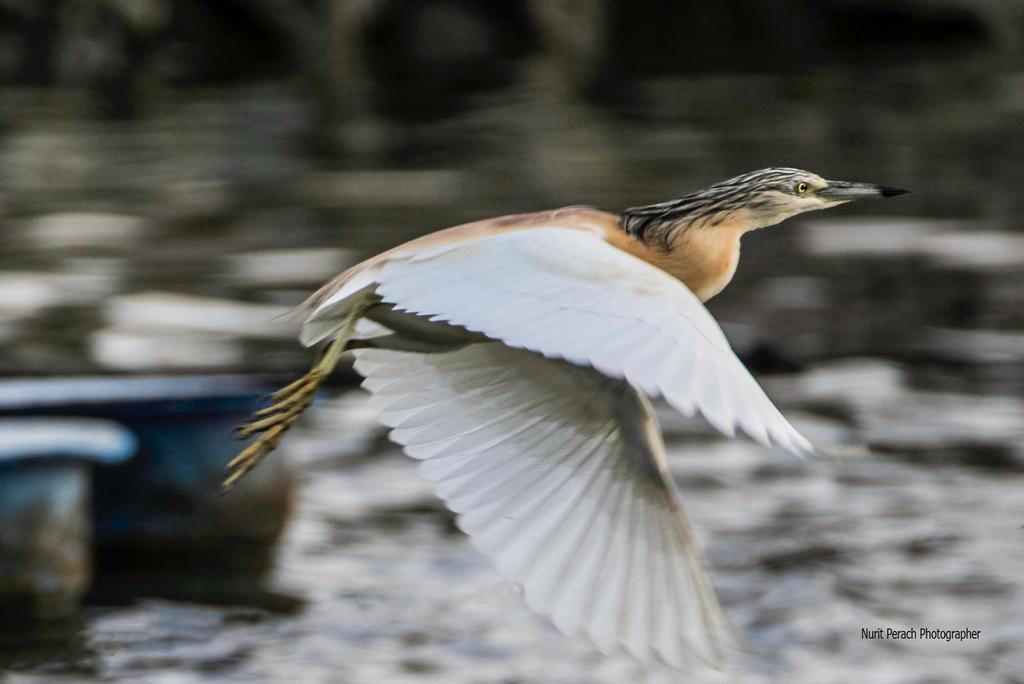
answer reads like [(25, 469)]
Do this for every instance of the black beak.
[(844, 192)]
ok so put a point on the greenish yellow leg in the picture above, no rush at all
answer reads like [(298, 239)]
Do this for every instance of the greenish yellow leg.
[(290, 401)]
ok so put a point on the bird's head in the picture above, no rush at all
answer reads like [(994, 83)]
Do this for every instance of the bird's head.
[(753, 200), (768, 196)]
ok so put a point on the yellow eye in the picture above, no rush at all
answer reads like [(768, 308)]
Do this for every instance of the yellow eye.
[(801, 188)]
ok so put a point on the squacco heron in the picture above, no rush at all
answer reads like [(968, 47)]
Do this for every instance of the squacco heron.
[(515, 358)]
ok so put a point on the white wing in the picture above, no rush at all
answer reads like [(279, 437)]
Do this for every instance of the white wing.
[(558, 475), (568, 294)]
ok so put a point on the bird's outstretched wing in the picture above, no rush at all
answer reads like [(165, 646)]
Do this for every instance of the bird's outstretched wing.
[(566, 293), (557, 474)]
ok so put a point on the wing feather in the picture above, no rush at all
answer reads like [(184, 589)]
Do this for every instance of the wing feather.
[(557, 475), (543, 443), (568, 294)]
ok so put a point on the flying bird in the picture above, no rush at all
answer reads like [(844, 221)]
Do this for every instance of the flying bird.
[(516, 358)]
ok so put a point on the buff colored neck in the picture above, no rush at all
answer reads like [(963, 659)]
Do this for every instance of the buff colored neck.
[(704, 258)]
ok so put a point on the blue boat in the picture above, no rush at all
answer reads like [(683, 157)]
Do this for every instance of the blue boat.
[(46, 469), (165, 501)]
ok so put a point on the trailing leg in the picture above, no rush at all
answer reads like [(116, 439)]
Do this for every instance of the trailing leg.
[(273, 422)]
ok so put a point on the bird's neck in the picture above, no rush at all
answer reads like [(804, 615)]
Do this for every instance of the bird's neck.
[(705, 259)]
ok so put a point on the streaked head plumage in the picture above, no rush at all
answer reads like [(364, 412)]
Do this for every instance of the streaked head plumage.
[(751, 200)]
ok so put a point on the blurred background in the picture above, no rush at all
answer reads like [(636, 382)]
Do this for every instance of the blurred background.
[(176, 174)]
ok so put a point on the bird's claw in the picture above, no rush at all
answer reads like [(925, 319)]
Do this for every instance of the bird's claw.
[(273, 422), (290, 390), (286, 405), (298, 394), (248, 458)]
